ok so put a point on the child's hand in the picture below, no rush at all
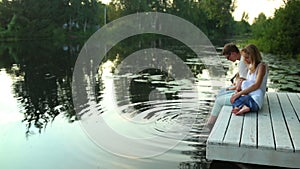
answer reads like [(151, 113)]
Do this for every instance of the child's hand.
[(234, 96), (230, 88)]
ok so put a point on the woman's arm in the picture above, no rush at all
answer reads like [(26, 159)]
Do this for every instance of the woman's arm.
[(239, 84), (259, 78)]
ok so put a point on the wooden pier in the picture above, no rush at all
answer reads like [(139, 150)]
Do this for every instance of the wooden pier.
[(270, 136)]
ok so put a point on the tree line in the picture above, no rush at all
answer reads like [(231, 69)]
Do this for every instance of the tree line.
[(30, 19), (280, 34), (64, 19)]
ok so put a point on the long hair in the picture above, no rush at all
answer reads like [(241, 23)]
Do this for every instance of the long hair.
[(255, 56)]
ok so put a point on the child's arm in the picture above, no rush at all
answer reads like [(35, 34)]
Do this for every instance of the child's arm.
[(239, 84), (231, 88), (235, 83)]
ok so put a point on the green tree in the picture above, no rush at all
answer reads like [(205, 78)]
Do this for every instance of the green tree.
[(48, 18), (260, 32), (243, 27), (127, 7), (190, 10), (54, 18), (219, 17), (6, 13), (279, 35)]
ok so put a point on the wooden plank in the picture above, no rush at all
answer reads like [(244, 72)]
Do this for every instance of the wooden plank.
[(265, 138), (295, 100), (281, 135), (249, 136), (253, 156), (277, 124), (218, 132), (291, 120), (234, 131)]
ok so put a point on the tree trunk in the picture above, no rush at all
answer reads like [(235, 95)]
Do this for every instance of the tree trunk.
[(85, 25), (70, 23)]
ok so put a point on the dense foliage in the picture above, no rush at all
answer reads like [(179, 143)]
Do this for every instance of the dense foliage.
[(212, 17), (64, 19), (280, 34), (30, 19)]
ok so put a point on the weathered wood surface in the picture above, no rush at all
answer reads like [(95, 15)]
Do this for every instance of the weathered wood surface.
[(270, 136)]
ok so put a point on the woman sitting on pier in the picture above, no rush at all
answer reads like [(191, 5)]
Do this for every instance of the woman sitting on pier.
[(251, 97)]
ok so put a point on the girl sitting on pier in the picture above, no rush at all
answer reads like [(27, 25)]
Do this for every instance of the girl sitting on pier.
[(251, 97), (258, 73)]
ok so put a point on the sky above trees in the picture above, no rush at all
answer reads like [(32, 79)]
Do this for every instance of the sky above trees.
[(254, 7)]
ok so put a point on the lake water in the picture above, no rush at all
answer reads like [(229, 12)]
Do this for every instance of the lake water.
[(157, 119)]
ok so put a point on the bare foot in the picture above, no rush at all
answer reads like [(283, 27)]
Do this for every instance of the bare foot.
[(235, 110), (243, 110)]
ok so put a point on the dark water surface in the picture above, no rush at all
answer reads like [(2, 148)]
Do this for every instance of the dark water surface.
[(39, 127)]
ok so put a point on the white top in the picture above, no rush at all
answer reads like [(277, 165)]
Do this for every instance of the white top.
[(258, 94), (243, 70)]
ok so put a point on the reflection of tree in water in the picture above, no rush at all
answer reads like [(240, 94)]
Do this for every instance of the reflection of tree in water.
[(136, 88), (45, 89), (44, 96), (196, 139), (142, 87)]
